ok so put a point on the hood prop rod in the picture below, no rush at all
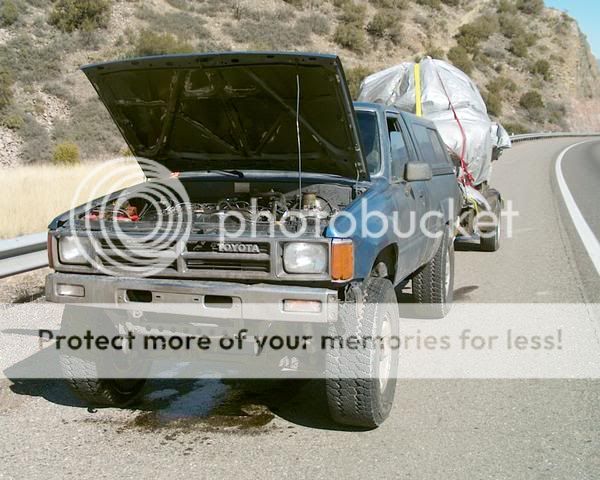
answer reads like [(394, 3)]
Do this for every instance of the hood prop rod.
[(298, 138)]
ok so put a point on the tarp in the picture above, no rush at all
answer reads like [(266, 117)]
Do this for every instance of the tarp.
[(440, 85)]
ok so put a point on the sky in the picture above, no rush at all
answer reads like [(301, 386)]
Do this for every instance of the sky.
[(587, 14)]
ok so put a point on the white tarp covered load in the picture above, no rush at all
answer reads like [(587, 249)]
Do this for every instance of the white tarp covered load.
[(396, 87)]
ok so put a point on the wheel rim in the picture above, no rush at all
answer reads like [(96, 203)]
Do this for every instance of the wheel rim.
[(498, 231), (385, 353), (447, 275)]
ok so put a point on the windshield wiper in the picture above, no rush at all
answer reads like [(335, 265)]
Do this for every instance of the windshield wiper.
[(232, 173)]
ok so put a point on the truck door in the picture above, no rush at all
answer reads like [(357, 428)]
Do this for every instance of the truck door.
[(410, 201), (431, 150)]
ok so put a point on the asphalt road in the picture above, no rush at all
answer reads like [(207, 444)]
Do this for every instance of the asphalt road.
[(438, 428)]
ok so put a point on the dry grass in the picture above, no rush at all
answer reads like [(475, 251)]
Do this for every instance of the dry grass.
[(31, 196)]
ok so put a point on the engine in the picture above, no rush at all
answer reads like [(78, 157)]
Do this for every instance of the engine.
[(260, 208)]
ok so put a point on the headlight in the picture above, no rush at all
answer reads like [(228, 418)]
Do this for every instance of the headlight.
[(72, 250), (301, 257)]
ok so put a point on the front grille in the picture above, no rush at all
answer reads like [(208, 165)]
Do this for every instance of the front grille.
[(228, 264), (198, 256), (115, 253), (229, 256)]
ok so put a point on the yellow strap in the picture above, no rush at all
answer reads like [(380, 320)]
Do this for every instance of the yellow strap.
[(418, 109)]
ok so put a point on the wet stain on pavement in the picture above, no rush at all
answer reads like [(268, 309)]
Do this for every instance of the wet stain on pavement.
[(231, 406)]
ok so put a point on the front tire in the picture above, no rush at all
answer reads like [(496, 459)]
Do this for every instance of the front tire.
[(361, 384), (101, 392), (88, 373)]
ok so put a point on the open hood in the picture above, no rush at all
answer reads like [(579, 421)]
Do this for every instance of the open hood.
[(234, 111)]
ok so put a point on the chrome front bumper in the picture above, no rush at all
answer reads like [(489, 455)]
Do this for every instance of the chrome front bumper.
[(261, 302)]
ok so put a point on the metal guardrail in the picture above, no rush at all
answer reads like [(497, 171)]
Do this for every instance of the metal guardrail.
[(540, 136), (22, 254)]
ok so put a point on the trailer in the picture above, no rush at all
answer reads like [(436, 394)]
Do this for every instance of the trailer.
[(445, 95)]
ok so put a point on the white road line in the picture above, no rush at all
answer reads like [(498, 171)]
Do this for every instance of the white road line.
[(590, 242)]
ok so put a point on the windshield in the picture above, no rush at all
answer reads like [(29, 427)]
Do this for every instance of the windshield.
[(369, 135)]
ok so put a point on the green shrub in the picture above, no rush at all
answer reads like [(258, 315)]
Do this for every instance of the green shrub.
[(318, 23), (381, 23), (515, 128), (519, 46), (434, 52), (510, 25), (71, 15), (149, 42), (350, 36), (65, 153), (507, 6), (430, 3), (500, 84), (394, 34), (9, 13), (6, 82), (460, 58), (180, 4), (452, 3), (12, 118), (531, 7), (471, 34), (493, 101), (353, 13), (398, 4), (531, 101), (541, 67), (354, 76), (297, 3)]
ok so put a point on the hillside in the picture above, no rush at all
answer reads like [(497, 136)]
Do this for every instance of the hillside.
[(532, 64)]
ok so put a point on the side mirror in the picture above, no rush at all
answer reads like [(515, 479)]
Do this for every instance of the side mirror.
[(417, 171)]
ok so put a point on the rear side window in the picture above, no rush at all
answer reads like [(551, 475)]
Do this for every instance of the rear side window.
[(424, 143), (439, 149), (430, 145)]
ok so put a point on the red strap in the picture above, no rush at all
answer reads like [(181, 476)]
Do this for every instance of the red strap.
[(466, 178)]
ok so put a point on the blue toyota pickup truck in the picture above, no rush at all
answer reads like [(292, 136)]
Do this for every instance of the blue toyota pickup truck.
[(300, 207)]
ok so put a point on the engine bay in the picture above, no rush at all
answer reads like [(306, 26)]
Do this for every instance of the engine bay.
[(211, 205)]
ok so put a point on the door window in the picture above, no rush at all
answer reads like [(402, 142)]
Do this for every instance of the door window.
[(398, 149)]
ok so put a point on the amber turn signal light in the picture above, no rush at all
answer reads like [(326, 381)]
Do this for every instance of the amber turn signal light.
[(342, 260)]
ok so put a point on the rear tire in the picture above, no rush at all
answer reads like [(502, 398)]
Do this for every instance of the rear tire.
[(360, 384), (433, 284), (491, 242)]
